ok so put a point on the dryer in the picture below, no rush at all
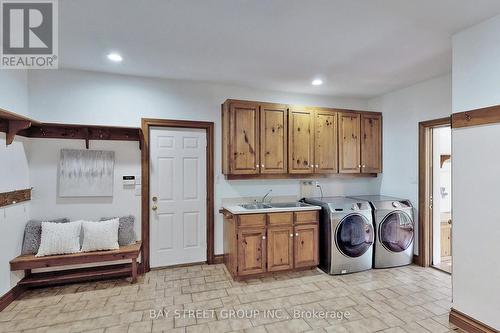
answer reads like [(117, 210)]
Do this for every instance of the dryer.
[(394, 230), (346, 234)]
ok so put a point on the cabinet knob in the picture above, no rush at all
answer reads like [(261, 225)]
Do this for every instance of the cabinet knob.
[(359, 166), (291, 235), (256, 165), (363, 166), (262, 165), (317, 165), (312, 165), (296, 234), (263, 237)]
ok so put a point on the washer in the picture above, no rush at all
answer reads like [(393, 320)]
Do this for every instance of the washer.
[(346, 234), (394, 230)]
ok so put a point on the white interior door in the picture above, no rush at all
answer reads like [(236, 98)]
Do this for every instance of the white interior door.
[(177, 196)]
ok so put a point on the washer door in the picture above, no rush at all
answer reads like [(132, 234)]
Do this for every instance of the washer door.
[(396, 231), (354, 235)]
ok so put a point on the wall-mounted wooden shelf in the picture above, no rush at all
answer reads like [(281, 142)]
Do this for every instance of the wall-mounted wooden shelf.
[(13, 124), (14, 197)]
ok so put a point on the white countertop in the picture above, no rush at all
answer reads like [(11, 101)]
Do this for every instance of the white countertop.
[(236, 209)]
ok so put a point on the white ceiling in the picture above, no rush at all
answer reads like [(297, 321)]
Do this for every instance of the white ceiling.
[(359, 48)]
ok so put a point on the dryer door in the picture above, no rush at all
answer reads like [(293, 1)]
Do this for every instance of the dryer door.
[(396, 231), (354, 235)]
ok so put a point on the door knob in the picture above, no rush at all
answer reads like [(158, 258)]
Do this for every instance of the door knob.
[(154, 207), (155, 199)]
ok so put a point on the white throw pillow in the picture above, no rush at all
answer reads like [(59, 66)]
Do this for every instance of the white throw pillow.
[(59, 238), (100, 235)]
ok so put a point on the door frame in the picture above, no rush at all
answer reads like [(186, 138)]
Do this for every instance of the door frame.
[(146, 124), (424, 257)]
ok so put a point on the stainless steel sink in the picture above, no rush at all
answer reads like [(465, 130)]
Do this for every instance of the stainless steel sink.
[(255, 206), (289, 204)]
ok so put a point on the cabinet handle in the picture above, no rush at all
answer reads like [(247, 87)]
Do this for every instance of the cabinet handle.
[(296, 234), (363, 166), (317, 165), (262, 165), (256, 165), (291, 235), (263, 237), (312, 165), (359, 166)]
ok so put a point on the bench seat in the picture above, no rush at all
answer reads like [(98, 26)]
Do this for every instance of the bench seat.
[(29, 262)]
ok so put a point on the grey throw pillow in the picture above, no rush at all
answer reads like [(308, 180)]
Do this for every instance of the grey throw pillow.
[(126, 233), (33, 234)]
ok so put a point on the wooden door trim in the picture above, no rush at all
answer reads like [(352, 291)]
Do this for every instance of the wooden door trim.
[(424, 257), (483, 116), (146, 124)]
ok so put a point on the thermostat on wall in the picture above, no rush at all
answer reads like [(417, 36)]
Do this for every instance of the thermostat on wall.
[(128, 180)]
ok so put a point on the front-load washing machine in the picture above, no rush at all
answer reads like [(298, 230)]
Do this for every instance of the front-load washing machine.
[(394, 230), (346, 234)]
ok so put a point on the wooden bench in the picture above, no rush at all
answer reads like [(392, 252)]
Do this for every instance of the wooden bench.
[(29, 262)]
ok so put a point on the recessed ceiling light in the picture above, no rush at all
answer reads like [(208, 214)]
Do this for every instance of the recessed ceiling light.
[(115, 57), (317, 82)]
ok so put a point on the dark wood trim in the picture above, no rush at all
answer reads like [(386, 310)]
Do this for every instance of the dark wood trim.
[(14, 197), (11, 296), (424, 257), (218, 259), (488, 115), (469, 324), (146, 123), (300, 176)]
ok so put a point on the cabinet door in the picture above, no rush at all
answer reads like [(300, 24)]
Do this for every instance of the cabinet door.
[(325, 142), (306, 245), (349, 143), (244, 132), (251, 251), (300, 141), (371, 143), (445, 239), (279, 248), (273, 138)]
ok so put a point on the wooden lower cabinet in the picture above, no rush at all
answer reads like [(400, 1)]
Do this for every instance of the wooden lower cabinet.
[(251, 251), (306, 245), (282, 242), (445, 239), (280, 248)]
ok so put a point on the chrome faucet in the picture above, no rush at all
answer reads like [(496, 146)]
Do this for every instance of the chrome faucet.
[(265, 196)]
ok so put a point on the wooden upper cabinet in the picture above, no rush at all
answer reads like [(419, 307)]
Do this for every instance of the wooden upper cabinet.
[(273, 138), (279, 248), (251, 251), (300, 141), (325, 142), (371, 143), (267, 140), (244, 132), (349, 142)]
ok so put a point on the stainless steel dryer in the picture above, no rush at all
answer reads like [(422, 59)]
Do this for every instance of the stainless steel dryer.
[(394, 230), (346, 234)]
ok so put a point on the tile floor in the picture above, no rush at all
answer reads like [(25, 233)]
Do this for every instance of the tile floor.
[(203, 298)]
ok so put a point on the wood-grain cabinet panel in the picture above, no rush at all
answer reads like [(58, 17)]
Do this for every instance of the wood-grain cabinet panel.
[(281, 244)]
